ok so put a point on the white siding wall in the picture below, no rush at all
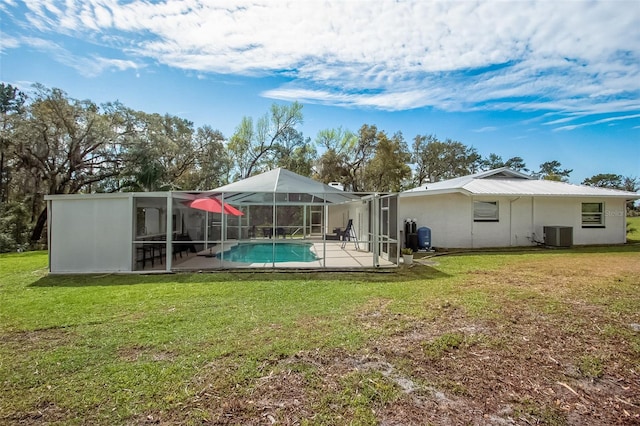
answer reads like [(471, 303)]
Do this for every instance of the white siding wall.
[(91, 235)]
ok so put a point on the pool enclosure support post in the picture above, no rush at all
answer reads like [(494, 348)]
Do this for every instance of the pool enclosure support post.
[(247, 222), (240, 237), (223, 228), (376, 230), (304, 222), (206, 230), (324, 233), (273, 232), (169, 231), (325, 218)]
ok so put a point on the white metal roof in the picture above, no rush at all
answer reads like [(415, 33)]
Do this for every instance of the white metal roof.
[(510, 183)]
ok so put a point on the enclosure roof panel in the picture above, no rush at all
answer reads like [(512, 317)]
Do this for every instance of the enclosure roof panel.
[(281, 181)]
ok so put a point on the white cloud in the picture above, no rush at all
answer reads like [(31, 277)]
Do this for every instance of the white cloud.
[(8, 42), (601, 121), (486, 129), (570, 57), (87, 66)]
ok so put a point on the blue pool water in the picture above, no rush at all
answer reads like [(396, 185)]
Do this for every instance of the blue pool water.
[(263, 253)]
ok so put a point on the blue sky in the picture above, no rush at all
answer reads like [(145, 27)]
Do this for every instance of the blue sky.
[(544, 80)]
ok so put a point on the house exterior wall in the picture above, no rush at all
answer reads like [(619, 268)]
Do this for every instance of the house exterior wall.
[(490, 234), (449, 217), (521, 217), (568, 212), (90, 235), (520, 220), (359, 213), (338, 217)]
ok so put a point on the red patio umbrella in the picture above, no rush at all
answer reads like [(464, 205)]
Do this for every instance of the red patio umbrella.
[(213, 205)]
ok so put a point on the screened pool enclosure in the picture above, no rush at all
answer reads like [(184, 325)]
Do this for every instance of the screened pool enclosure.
[(274, 220)]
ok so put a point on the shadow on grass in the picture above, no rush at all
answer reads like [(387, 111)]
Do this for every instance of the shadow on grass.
[(416, 273), (519, 251)]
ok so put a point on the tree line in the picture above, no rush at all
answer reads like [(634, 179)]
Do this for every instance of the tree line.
[(51, 143)]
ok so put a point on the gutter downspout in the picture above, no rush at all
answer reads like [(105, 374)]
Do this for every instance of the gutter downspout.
[(473, 223), (511, 221), (533, 220)]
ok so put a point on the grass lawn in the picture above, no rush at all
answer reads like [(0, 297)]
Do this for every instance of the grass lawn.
[(537, 337), (633, 223)]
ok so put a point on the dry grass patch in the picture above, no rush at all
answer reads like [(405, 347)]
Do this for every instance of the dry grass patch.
[(509, 339), (543, 353)]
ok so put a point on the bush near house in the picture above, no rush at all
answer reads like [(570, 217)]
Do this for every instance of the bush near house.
[(543, 337)]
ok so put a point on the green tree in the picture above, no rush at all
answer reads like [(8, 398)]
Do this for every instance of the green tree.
[(293, 152), (332, 164), (614, 181), (388, 169), (12, 102), (252, 147), (64, 145), (631, 184), (240, 148), (517, 164), (330, 167), (360, 151), (493, 161), (213, 166), (551, 170), (436, 160), (161, 153), (605, 180), (14, 226)]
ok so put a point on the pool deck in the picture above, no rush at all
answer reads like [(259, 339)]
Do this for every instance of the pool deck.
[(330, 253)]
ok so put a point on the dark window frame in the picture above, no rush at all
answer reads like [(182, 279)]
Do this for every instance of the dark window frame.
[(592, 219), (480, 215)]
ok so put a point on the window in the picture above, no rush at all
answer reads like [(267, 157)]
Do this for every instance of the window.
[(485, 211), (593, 215)]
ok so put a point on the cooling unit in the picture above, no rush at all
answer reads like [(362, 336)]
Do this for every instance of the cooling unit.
[(558, 236)]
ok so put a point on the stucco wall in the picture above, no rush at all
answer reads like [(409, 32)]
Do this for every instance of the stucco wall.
[(491, 234), (338, 217), (521, 220), (521, 226), (568, 212), (448, 216), (91, 235)]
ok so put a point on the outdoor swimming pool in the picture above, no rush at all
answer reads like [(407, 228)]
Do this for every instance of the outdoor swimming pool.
[(264, 253)]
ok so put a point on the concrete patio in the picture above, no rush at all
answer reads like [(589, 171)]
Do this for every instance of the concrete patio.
[(331, 254)]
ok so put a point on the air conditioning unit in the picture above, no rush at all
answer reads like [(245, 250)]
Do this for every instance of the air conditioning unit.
[(558, 236)]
